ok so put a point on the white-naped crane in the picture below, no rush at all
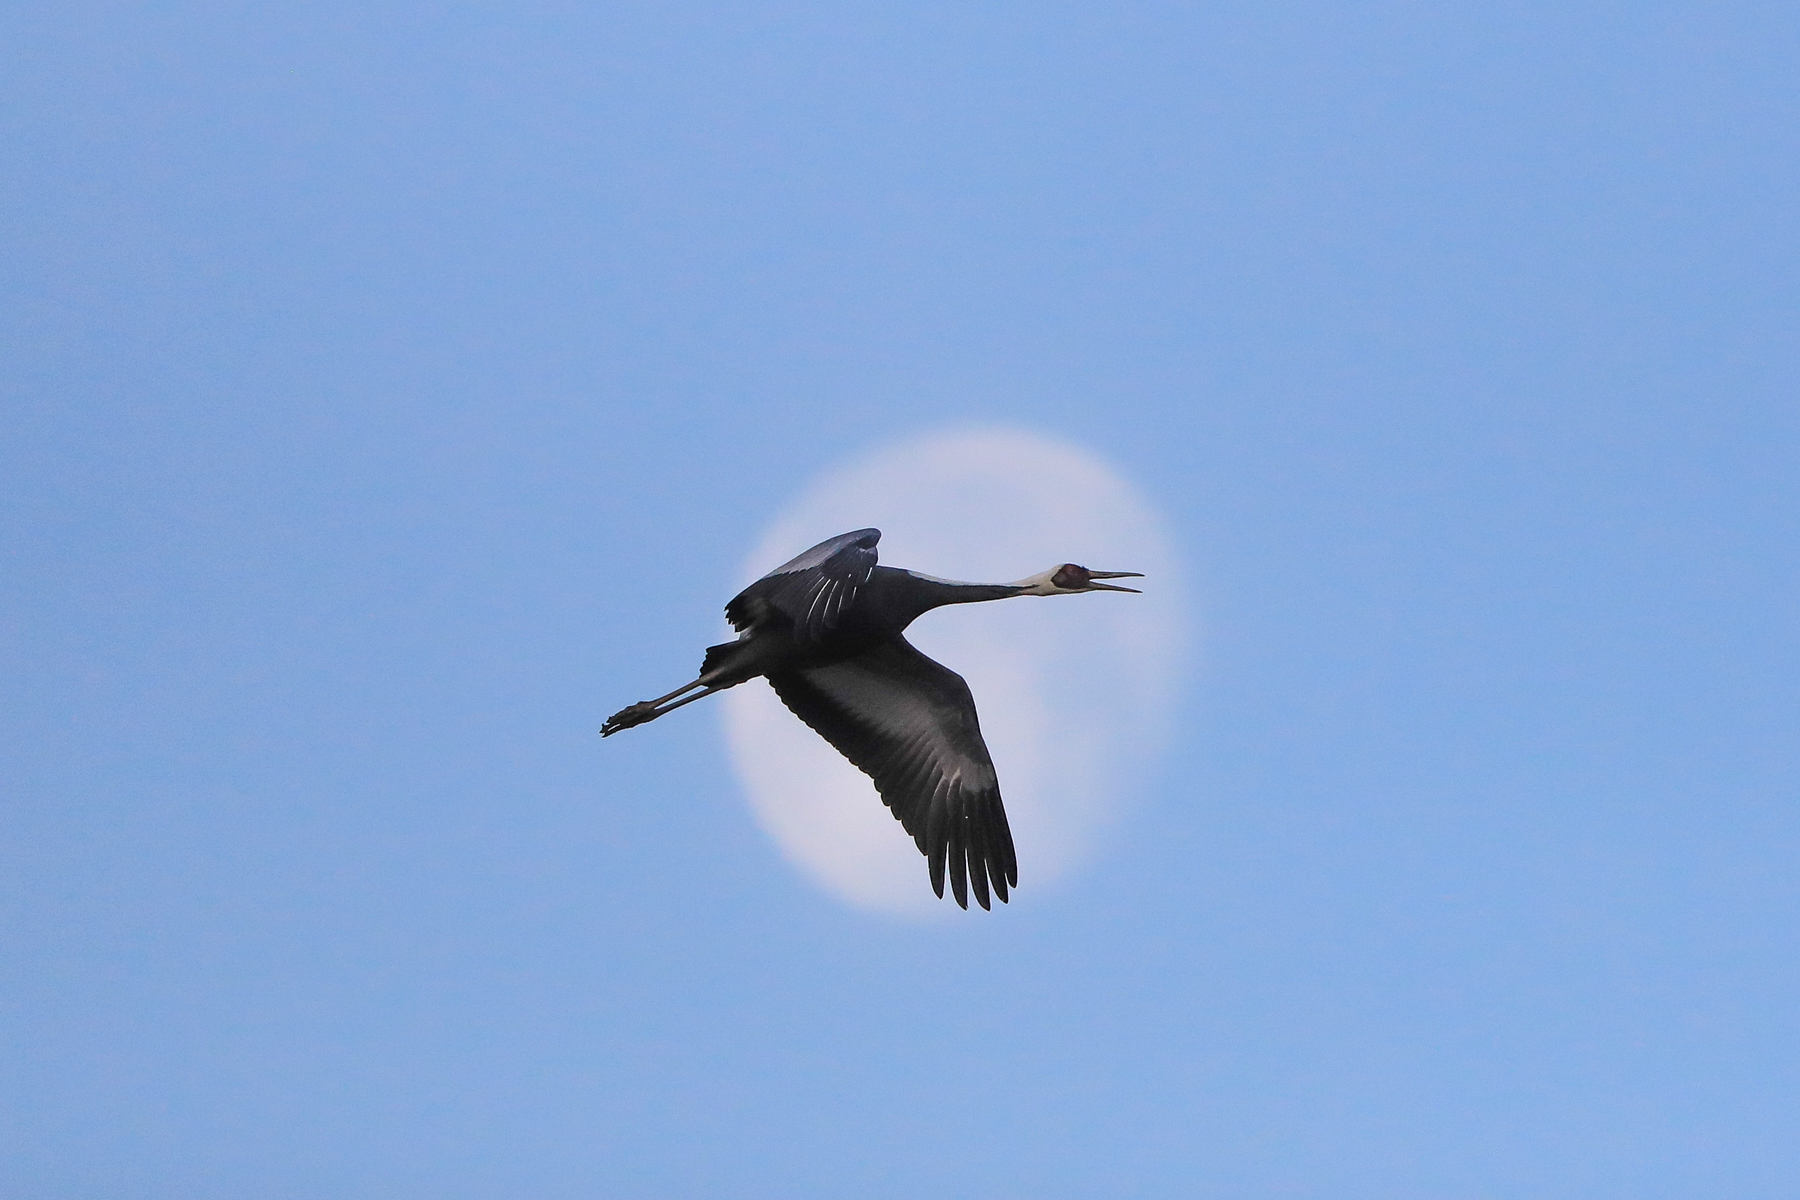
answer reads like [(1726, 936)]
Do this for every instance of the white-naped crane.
[(825, 628)]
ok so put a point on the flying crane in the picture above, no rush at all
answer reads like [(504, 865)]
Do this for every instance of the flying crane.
[(825, 629)]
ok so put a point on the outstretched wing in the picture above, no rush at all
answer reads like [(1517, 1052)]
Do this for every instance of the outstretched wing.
[(909, 724), (812, 590)]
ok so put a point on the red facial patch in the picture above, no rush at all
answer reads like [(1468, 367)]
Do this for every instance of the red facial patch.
[(1070, 576)]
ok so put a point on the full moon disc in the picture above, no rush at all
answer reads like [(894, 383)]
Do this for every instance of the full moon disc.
[(1072, 691)]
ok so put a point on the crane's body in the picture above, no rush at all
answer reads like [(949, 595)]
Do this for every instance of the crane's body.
[(826, 630)]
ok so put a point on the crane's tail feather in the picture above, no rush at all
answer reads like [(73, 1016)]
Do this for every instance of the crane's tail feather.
[(716, 657)]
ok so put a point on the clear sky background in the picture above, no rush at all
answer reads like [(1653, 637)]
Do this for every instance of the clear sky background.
[(391, 392)]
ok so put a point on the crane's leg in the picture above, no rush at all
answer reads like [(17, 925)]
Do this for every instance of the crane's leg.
[(725, 666), (649, 710)]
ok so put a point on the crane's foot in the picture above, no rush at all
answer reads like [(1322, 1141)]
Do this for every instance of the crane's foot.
[(625, 718), (649, 710)]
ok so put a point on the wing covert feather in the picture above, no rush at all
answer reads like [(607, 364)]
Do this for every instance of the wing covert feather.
[(813, 589)]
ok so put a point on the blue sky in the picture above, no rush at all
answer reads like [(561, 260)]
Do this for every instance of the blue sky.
[(391, 392)]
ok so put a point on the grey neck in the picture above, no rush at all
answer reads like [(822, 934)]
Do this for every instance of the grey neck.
[(907, 595), (950, 592)]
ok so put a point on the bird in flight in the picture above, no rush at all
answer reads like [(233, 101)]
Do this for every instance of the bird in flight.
[(825, 629)]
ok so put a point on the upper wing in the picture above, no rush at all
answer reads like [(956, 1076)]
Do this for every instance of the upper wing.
[(812, 590), (909, 724)]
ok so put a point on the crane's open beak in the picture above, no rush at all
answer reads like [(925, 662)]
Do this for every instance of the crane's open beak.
[(1107, 587)]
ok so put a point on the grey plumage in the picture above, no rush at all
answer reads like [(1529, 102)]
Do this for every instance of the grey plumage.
[(812, 589), (826, 629), (909, 724)]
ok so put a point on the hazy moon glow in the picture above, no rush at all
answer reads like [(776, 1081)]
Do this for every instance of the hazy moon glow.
[(1072, 690)]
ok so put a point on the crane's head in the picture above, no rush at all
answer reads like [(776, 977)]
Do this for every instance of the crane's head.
[(1068, 578)]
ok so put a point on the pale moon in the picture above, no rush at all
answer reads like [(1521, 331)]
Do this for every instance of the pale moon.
[(1073, 691)]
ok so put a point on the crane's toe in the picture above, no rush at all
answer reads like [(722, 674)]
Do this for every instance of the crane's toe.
[(625, 718)]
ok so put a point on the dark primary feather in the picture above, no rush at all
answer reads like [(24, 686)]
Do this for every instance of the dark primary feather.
[(909, 723), (812, 590)]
